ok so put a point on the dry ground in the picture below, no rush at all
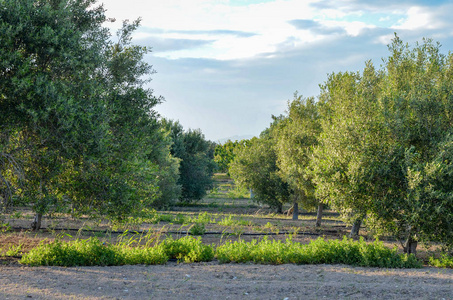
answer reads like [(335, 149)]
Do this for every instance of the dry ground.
[(224, 281)]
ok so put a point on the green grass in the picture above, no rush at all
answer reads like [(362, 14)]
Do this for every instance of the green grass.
[(229, 221), (12, 251), (5, 227)]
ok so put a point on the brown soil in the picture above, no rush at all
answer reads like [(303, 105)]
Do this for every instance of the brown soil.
[(224, 281)]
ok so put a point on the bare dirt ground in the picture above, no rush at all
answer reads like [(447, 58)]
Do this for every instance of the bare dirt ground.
[(224, 281)]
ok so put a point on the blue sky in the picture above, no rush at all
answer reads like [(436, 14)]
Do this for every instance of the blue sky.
[(226, 66)]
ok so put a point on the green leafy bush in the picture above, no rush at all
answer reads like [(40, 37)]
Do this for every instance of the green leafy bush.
[(187, 249), (445, 261), (229, 221), (91, 252), (180, 219), (5, 227), (318, 251), (203, 218), (197, 229), (239, 251)]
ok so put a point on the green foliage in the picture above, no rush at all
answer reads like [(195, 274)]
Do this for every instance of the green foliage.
[(168, 173), (180, 219), (91, 252), (196, 160), (385, 149), (319, 251), (255, 167), (13, 250), (197, 229), (142, 255), (238, 193), (230, 221), (203, 218), (5, 227), (297, 134), (76, 114), (224, 154), (445, 261), (188, 249)]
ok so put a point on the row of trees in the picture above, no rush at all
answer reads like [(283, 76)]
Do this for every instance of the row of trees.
[(78, 129), (376, 146)]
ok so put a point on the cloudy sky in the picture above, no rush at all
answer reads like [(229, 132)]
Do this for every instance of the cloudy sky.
[(226, 66)]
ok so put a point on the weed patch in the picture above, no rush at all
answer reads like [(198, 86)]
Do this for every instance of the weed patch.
[(445, 261), (189, 249), (318, 251)]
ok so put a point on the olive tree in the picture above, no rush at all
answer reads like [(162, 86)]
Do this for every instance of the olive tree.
[(385, 146), (196, 155), (76, 114), (224, 155), (255, 167), (296, 136)]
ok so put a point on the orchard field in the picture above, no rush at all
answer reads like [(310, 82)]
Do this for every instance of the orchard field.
[(217, 218), (101, 197)]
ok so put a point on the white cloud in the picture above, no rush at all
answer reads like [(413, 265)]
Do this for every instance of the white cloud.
[(231, 67), (417, 18), (385, 39), (269, 21)]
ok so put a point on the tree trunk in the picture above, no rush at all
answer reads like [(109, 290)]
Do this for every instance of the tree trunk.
[(296, 211), (411, 246), (356, 227), (36, 224), (279, 208), (319, 214)]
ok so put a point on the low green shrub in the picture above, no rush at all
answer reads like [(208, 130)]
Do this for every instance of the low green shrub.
[(197, 229), (14, 250), (238, 251), (203, 218), (445, 261), (5, 227), (230, 221), (187, 249), (319, 251), (92, 252), (180, 219)]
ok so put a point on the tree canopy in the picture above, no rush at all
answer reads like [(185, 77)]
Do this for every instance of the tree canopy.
[(255, 167), (197, 160), (385, 146), (78, 124)]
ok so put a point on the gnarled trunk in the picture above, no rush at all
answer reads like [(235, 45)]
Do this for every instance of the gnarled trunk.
[(356, 227), (36, 224), (411, 246), (319, 214), (295, 211)]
